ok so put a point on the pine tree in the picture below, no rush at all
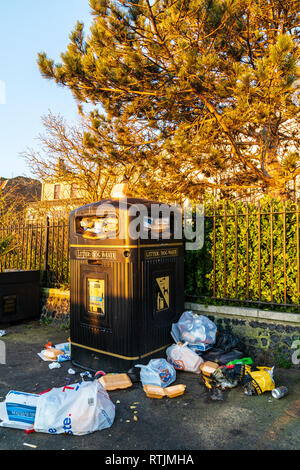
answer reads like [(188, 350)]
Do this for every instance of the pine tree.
[(208, 88)]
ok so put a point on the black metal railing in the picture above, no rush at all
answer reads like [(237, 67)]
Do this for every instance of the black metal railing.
[(39, 246), (250, 256)]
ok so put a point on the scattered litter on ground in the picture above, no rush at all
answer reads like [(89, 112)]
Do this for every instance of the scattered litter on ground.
[(158, 372), (154, 391), (86, 402), (218, 359), (30, 445), (52, 354), (280, 392), (18, 410), (183, 358), (2, 333), (54, 365), (86, 374), (115, 382), (59, 352)]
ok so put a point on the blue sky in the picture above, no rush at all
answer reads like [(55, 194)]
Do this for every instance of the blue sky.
[(26, 28)]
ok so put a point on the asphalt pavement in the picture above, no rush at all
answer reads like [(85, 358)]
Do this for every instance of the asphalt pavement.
[(190, 422)]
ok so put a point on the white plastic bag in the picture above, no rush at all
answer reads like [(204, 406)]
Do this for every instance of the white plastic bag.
[(158, 372), (183, 358), (77, 409), (196, 330)]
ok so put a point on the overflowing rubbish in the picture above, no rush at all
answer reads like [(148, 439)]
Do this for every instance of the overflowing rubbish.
[(219, 360), (280, 392), (154, 391), (196, 330), (158, 372), (115, 382), (183, 358)]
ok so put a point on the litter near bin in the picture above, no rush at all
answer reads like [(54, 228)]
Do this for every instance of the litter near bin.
[(86, 374), (115, 382), (154, 391), (259, 381), (245, 360), (158, 372), (183, 358), (18, 410), (54, 365), (78, 409), (59, 352), (280, 392), (196, 330), (52, 354)]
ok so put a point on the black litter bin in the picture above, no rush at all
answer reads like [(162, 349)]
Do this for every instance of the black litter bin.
[(125, 292), (19, 295)]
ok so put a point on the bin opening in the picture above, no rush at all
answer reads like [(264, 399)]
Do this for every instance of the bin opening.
[(97, 227)]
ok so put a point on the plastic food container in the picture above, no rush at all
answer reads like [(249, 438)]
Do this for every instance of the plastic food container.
[(175, 391), (208, 368), (115, 382), (154, 391)]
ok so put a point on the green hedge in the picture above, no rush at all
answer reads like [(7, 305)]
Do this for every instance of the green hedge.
[(199, 265)]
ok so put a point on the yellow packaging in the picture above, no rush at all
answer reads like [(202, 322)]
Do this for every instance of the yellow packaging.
[(263, 380)]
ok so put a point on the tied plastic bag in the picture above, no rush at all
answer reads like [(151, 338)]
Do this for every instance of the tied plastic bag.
[(78, 409), (196, 330), (158, 372), (183, 358)]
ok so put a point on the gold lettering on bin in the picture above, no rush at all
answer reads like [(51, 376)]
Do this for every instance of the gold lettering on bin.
[(150, 254), (96, 254)]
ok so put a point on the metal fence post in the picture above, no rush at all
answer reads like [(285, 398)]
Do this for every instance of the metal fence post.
[(46, 251)]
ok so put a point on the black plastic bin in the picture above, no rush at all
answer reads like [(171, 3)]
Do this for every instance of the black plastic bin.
[(125, 293), (19, 296)]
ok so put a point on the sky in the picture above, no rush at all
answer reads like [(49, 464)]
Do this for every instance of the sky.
[(26, 28)]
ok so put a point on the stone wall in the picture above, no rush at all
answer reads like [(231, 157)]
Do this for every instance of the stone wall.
[(268, 336), (55, 306)]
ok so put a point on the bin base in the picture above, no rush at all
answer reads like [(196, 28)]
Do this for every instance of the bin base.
[(94, 361)]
